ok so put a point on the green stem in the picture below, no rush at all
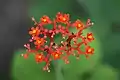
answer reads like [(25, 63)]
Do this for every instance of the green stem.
[(58, 69)]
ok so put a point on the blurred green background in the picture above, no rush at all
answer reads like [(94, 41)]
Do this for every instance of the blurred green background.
[(103, 65)]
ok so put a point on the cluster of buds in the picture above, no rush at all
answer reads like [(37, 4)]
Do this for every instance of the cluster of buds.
[(45, 51)]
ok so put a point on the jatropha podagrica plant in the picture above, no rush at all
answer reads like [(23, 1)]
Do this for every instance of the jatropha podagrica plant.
[(45, 51)]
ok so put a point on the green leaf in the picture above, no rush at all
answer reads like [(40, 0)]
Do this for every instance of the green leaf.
[(105, 72), (28, 69)]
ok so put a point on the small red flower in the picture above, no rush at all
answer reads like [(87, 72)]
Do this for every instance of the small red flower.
[(39, 57), (89, 50), (90, 36), (56, 55), (34, 31), (45, 20), (25, 56), (62, 18), (78, 24), (39, 41)]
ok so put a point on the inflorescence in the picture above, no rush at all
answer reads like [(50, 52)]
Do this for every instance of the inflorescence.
[(45, 51)]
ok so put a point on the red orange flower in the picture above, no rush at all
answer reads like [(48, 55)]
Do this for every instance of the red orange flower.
[(89, 50), (34, 31), (78, 24), (62, 18), (39, 57), (25, 56), (56, 55), (90, 36), (45, 20), (39, 41)]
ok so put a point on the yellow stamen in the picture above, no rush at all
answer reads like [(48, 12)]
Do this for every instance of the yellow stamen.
[(56, 55), (40, 57), (39, 41), (89, 50), (64, 19), (34, 31), (90, 37), (44, 20), (79, 25)]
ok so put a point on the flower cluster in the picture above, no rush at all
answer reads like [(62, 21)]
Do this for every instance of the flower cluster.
[(45, 51)]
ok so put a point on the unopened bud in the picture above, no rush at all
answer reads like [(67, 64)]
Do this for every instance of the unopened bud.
[(22, 54), (45, 36), (50, 31), (92, 23), (52, 36), (48, 70), (63, 37), (46, 30), (61, 41), (33, 19)]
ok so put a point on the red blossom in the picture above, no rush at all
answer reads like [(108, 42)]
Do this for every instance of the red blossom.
[(39, 57), (89, 50), (45, 20), (47, 51), (39, 41), (62, 18), (56, 55), (90, 36), (34, 31), (79, 25), (25, 55)]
